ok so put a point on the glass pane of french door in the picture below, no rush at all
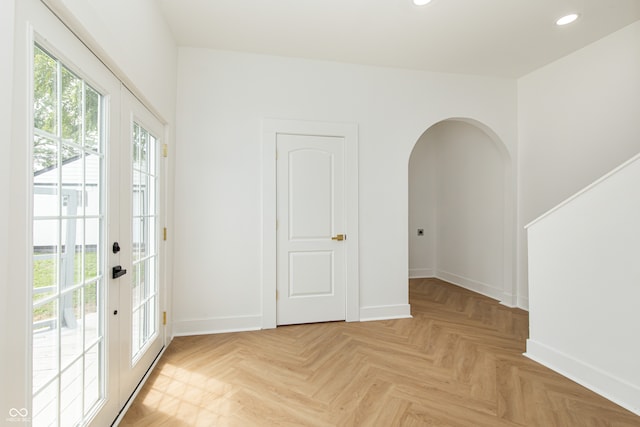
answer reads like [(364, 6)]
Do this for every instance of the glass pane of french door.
[(68, 233)]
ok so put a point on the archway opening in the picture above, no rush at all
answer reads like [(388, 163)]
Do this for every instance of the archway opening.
[(460, 208)]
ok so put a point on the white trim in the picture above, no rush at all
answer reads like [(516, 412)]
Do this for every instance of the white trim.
[(216, 325), (523, 303), (268, 204), (508, 302), (270, 130), (584, 190), (474, 285), (615, 389), (385, 312), (421, 273)]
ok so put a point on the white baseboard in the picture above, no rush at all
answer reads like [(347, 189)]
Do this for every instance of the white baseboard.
[(615, 389), (472, 285), (523, 303), (216, 325), (385, 312), (509, 301), (420, 273)]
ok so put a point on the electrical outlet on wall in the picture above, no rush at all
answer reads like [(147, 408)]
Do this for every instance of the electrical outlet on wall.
[(420, 231)]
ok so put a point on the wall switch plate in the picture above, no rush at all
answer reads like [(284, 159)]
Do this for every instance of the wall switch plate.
[(420, 231)]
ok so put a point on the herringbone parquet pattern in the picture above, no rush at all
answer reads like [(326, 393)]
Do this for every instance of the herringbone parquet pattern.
[(458, 362)]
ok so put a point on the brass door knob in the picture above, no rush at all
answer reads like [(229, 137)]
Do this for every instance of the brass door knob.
[(339, 237)]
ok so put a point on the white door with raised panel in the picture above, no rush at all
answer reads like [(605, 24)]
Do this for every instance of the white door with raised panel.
[(311, 239)]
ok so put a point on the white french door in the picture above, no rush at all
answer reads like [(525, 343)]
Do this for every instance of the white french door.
[(74, 338), (95, 178), (140, 217)]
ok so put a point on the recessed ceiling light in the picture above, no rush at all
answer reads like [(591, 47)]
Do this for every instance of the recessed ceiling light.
[(421, 2), (567, 19)]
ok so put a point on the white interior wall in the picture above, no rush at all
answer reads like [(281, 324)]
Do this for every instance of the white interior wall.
[(466, 190), (470, 204), (586, 252), (223, 96), (422, 205), (577, 119), (6, 89), (135, 37)]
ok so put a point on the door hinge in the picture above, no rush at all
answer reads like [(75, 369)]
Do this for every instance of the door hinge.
[(165, 150), (164, 317), (164, 233), (276, 294)]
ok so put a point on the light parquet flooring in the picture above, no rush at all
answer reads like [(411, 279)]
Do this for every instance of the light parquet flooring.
[(458, 362)]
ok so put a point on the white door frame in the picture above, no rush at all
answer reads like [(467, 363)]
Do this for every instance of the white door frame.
[(270, 130)]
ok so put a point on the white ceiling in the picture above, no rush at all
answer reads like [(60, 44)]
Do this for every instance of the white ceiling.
[(506, 38)]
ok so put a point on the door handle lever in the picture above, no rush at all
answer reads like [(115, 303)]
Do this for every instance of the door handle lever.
[(339, 237), (118, 271)]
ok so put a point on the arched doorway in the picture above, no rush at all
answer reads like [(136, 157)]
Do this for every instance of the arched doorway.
[(461, 208)]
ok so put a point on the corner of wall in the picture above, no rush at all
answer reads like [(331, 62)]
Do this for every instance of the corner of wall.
[(421, 273)]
